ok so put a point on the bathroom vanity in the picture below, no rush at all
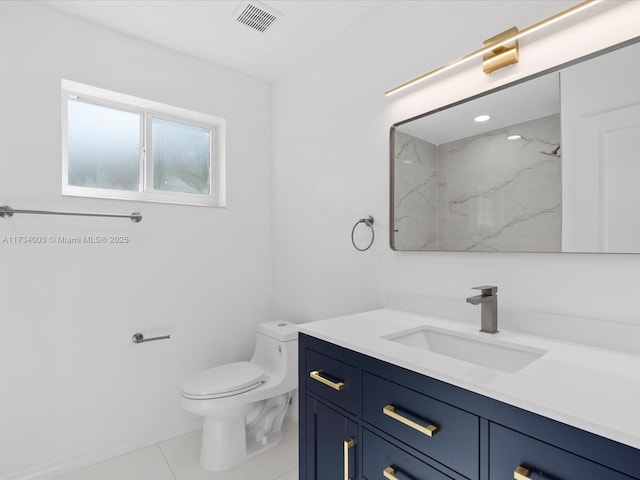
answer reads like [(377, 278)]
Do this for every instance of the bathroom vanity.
[(394, 395)]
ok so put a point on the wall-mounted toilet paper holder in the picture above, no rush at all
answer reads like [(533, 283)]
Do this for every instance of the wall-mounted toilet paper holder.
[(139, 338)]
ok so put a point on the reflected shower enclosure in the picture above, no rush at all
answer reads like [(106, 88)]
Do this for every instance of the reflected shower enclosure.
[(489, 192)]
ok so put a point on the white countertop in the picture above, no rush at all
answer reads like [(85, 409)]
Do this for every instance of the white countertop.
[(589, 388)]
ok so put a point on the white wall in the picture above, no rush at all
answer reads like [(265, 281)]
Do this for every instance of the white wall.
[(331, 130), (74, 388)]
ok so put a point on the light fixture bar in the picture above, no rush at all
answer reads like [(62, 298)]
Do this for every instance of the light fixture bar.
[(478, 53)]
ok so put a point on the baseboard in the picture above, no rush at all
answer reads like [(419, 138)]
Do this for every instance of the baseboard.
[(50, 470)]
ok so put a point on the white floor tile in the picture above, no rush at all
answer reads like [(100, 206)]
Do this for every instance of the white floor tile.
[(183, 454), (144, 464), (290, 476)]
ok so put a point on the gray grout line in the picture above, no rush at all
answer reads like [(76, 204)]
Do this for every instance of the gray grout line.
[(167, 462)]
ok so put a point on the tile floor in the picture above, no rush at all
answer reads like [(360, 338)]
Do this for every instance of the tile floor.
[(179, 459)]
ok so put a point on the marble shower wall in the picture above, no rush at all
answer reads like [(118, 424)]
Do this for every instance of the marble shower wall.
[(415, 193), (489, 193), (502, 195)]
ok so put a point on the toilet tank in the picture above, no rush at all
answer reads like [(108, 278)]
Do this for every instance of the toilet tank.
[(279, 330), (276, 352)]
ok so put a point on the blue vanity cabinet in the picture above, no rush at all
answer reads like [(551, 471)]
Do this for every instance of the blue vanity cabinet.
[(329, 410), (330, 441), (382, 457), (513, 453), (404, 425), (436, 429), (334, 380)]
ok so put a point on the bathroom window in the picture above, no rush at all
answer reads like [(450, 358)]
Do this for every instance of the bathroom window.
[(128, 148)]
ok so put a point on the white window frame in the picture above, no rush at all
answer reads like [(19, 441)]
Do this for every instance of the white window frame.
[(148, 110)]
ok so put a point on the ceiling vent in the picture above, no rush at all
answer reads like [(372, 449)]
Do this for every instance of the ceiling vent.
[(256, 15)]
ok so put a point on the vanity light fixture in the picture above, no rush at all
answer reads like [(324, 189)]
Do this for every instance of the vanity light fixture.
[(501, 54), (482, 118), (514, 137), (501, 50)]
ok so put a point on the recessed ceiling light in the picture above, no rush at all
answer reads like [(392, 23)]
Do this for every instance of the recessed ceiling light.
[(482, 118), (514, 137)]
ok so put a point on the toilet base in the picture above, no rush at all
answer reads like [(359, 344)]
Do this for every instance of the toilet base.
[(218, 460), (223, 443), (229, 441)]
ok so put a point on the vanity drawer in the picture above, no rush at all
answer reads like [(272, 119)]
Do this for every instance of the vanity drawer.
[(333, 380), (380, 455), (411, 417), (514, 455)]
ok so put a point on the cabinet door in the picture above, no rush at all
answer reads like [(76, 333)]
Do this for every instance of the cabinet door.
[(514, 455), (330, 444), (601, 137), (383, 460), (409, 416), (333, 380)]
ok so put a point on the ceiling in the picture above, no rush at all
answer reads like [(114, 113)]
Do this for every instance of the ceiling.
[(207, 29), (525, 101)]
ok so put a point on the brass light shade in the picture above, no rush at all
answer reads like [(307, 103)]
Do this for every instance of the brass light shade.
[(498, 51), (504, 54)]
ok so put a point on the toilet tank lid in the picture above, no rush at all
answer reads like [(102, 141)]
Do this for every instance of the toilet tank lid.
[(283, 331)]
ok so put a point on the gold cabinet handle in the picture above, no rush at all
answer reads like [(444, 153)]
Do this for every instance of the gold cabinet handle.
[(521, 473), (335, 385), (389, 473), (347, 445), (429, 430)]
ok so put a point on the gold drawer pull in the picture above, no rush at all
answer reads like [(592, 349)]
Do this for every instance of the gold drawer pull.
[(521, 473), (429, 430), (346, 446), (335, 385), (389, 473)]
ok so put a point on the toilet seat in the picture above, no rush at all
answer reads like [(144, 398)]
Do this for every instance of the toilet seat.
[(223, 381)]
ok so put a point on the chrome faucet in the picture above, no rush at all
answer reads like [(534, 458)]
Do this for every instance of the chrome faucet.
[(489, 302)]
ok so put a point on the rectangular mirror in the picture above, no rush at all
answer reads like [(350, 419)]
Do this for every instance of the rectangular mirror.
[(555, 167)]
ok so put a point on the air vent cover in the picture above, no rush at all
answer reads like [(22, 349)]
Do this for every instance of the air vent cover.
[(256, 15)]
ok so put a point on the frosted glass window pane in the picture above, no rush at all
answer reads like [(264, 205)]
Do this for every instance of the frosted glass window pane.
[(104, 147), (181, 158)]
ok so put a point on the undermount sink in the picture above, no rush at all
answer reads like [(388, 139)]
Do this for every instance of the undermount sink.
[(488, 352)]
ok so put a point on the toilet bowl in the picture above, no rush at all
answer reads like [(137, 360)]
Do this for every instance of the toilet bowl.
[(244, 403)]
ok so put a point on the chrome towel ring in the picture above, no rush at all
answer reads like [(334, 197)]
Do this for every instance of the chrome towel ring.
[(369, 223)]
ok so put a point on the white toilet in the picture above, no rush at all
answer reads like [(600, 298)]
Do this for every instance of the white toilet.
[(244, 403)]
